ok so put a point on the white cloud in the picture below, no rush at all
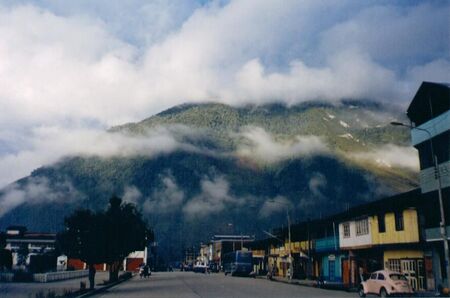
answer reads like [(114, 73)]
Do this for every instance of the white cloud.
[(106, 63), (131, 195), (48, 144), (257, 144), (391, 156), (316, 184), (435, 71), (167, 199), (214, 198), (277, 205), (390, 33), (36, 190)]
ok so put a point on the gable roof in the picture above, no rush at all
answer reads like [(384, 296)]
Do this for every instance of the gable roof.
[(431, 100)]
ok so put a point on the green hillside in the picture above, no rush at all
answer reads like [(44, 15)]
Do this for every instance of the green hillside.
[(190, 193)]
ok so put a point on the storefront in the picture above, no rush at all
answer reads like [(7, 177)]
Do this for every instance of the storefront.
[(409, 262)]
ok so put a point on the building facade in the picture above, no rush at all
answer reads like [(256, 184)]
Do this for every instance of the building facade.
[(429, 113)]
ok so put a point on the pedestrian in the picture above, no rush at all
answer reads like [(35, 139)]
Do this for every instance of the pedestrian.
[(146, 271), (91, 276)]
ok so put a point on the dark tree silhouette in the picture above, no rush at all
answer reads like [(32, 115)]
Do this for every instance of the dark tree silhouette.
[(83, 239), (2, 239), (5, 255), (125, 231), (105, 237)]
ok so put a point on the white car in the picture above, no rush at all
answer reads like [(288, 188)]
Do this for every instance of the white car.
[(385, 283)]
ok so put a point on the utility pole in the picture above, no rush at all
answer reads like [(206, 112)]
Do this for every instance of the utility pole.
[(290, 248), (437, 175)]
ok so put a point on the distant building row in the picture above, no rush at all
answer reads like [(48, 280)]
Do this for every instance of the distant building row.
[(37, 252)]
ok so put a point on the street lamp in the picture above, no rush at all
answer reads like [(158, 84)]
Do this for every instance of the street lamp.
[(437, 174)]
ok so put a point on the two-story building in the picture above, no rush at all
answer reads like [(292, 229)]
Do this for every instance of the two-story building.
[(386, 233), (31, 250)]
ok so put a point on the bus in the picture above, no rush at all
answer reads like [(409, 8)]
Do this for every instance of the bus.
[(238, 263)]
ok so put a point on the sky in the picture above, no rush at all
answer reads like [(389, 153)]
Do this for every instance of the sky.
[(71, 69)]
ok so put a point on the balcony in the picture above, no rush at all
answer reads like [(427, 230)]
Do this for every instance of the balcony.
[(327, 244), (434, 234)]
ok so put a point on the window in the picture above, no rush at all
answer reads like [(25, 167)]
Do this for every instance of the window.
[(394, 265), (441, 144), (346, 230), (381, 223), (399, 226), (362, 227), (380, 276), (396, 277), (373, 276)]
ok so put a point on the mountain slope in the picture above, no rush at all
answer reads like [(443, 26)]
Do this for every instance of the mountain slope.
[(227, 166)]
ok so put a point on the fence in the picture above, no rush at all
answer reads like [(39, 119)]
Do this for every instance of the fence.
[(6, 276), (61, 275)]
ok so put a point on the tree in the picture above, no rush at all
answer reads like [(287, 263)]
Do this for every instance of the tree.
[(83, 239), (105, 237), (125, 231), (5, 254)]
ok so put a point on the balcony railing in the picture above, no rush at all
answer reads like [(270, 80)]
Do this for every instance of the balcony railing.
[(327, 244)]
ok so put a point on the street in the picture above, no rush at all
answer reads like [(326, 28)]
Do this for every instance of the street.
[(189, 284), (33, 289)]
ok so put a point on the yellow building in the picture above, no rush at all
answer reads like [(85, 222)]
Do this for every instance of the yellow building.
[(401, 228), (279, 257), (395, 227)]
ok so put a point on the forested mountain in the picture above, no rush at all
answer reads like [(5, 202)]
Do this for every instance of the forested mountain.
[(196, 168)]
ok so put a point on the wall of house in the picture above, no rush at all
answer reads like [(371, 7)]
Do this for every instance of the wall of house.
[(402, 254), (354, 240), (133, 264), (296, 247), (409, 234), (325, 269)]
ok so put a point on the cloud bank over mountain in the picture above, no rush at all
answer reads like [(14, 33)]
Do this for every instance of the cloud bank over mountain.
[(85, 65)]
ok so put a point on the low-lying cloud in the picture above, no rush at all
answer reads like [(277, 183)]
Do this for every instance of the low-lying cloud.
[(48, 144), (169, 198), (37, 190), (276, 205), (257, 144), (391, 156), (214, 197)]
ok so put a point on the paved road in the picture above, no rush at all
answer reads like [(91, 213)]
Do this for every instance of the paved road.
[(194, 285), (30, 289)]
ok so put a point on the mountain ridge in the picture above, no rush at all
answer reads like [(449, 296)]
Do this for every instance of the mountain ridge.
[(226, 165)]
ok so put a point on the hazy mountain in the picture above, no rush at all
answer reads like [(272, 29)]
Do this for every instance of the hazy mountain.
[(196, 168)]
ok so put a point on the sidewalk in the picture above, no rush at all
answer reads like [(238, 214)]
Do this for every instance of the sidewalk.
[(56, 288), (100, 288), (313, 283), (300, 282)]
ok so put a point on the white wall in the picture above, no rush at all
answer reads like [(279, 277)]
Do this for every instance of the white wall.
[(353, 240)]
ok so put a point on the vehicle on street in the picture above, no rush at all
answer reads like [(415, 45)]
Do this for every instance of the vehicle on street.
[(200, 268), (238, 263), (385, 283), (144, 271)]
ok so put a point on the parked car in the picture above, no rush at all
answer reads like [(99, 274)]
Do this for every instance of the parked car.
[(385, 283)]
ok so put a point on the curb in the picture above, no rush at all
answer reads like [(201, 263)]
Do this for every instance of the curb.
[(312, 285), (298, 283), (103, 288)]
